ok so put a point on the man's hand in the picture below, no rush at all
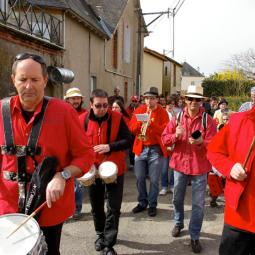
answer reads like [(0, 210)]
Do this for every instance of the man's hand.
[(195, 141), (55, 189), (179, 131), (237, 172), (101, 148)]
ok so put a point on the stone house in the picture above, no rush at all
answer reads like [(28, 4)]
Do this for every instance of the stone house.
[(97, 39)]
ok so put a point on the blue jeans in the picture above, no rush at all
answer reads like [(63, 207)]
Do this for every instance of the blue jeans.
[(167, 175), (199, 183), (78, 190), (148, 163)]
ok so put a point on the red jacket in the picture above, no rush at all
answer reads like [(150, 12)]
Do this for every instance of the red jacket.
[(228, 147), (61, 136), (159, 119), (189, 158), (98, 135)]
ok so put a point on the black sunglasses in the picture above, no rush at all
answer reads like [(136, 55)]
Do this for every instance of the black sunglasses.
[(194, 99), (23, 56), (99, 106)]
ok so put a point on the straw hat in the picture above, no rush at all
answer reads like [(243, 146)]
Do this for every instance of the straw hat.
[(195, 91), (73, 92)]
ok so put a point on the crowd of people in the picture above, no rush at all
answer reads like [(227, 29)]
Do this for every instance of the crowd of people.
[(175, 140)]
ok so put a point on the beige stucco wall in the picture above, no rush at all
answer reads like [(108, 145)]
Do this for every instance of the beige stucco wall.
[(88, 55), (152, 72)]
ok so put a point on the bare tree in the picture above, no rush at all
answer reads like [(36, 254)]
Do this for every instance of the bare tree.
[(244, 62)]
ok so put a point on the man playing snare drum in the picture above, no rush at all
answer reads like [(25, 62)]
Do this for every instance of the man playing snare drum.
[(19, 157), (110, 138)]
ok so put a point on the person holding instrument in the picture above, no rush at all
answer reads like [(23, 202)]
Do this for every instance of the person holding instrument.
[(232, 153), (148, 150), (190, 132), (28, 125)]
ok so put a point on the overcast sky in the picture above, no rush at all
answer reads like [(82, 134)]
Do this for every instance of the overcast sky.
[(207, 32)]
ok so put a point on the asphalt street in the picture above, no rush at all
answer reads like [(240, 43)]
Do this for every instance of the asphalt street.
[(141, 234)]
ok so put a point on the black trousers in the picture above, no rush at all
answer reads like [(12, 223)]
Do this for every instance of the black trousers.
[(235, 241), (52, 236), (106, 224)]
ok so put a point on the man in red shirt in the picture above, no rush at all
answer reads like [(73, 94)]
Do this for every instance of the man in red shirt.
[(228, 152), (60, 135), (190, 132), (148, 149), (74, 97), (110, 137)]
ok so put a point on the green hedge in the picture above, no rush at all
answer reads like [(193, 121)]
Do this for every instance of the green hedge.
[(214, 87), (234, 102)]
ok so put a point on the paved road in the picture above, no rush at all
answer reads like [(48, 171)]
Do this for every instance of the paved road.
[(141, 234)]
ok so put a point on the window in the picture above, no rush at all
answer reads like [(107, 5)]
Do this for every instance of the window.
[(41, 30), (4, 7), (174, 76), (115, 50), (93, 82), (127, 44), (166, 70)]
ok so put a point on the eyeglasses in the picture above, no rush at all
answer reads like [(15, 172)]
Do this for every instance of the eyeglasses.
[(134, 101), (194, 99), (23, 56), (99, 106)]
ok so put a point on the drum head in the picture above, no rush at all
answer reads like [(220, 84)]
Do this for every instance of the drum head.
[(107, 169), (23, 240)]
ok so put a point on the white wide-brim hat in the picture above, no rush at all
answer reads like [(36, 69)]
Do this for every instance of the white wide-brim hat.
[(73, 92), (195, 91)]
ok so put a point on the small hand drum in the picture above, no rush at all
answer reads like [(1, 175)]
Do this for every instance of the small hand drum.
[(108, 172), (88, 178)]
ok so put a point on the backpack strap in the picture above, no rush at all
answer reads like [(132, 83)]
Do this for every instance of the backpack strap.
[(204, 120), (9, 147)]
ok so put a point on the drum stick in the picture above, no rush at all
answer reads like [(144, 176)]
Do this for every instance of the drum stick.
[(28, 218), (249, 153)]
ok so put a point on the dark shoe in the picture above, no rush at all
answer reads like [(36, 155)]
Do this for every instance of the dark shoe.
[(109, 251), (77, 215), (138, 209), (152, 211), (196, 246), (177, 230), (99, 245), (213, 202)]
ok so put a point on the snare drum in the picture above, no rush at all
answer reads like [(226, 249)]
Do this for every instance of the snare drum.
[(108, 171), (88, 178), (28, 240)]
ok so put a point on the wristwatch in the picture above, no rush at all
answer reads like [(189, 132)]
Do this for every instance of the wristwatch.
[(66, 175)]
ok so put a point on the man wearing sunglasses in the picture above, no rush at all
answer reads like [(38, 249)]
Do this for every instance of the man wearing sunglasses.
[(59, 136), (110, 137), (190, 136)]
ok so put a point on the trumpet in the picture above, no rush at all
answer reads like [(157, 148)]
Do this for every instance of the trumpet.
[(142, 136)]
